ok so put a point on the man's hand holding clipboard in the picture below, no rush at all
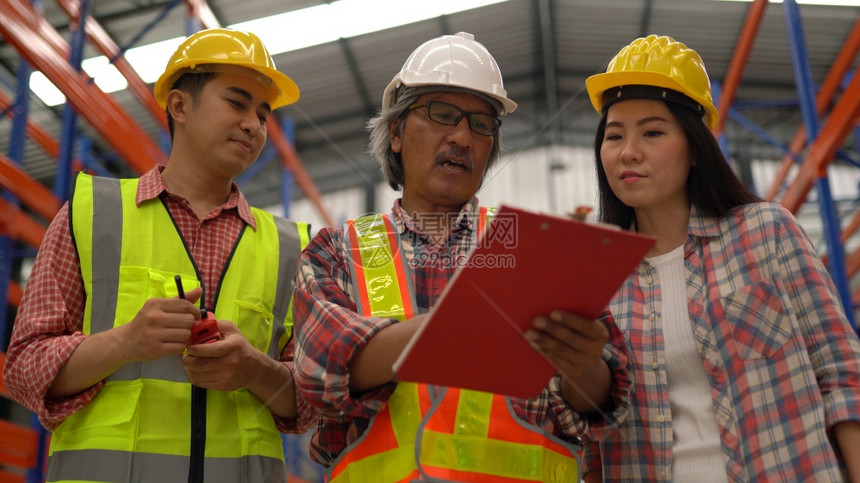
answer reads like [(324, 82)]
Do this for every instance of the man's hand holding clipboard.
[(527, 268)]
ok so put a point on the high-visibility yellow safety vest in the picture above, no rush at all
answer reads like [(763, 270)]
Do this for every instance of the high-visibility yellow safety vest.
[(433, 432), (144, 424)]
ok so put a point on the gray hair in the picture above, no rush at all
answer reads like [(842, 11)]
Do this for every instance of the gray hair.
[(380, 143)]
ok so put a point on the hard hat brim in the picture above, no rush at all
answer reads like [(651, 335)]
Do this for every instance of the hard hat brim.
[(598, 83), (388, 97), (282, 90)]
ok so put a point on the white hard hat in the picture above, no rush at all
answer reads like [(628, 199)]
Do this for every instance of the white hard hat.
[(454, 61)]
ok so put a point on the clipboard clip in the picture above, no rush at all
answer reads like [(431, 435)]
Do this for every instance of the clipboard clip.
[(580, 213)]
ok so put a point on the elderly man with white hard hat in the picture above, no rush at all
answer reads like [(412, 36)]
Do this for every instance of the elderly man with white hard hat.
[(363, 290)]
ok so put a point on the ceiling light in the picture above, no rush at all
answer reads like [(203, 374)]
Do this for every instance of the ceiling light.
[(280, 33)]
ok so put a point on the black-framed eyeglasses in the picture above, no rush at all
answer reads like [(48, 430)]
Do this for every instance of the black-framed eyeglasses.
[(448, 115)]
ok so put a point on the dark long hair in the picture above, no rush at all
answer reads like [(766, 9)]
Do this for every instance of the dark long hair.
[(712, 185)]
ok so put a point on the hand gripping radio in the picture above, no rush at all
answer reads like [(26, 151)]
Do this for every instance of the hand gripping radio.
[(205, 330)]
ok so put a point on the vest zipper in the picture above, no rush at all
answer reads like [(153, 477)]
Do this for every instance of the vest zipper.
[(198, 434), (197, 457)]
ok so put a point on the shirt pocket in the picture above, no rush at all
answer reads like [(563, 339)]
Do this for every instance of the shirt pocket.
[(255, 322), (760, 325), (108, 422), (139, 284)]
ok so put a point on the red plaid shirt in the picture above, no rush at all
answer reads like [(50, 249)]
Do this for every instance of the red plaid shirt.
[(48, 326)]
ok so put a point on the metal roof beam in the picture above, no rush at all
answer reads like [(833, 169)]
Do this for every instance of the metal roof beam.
[(829, 89), (19, 225), (13, 293), (645, 20), (200, 11), (292, 162), (27, 190), (39, 134), (43, 48), (755, 14), (352, 65), (111, 50), (550, 76), (840, 122)]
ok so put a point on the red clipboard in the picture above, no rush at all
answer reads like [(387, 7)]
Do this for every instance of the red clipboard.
[(525, 264)]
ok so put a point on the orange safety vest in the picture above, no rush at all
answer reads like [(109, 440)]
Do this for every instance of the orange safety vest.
[(429, 431)]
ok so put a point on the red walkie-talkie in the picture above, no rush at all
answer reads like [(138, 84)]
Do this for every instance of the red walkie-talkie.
[(205, 330)]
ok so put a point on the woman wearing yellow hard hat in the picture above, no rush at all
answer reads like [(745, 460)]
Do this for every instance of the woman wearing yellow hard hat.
[(746, 365)]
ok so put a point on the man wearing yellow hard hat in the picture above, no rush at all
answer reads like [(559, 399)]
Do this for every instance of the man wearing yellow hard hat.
[(102, 347), (364, 290), (746, 367)]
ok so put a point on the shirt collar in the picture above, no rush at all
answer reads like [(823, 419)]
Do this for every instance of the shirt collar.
[(701, 225), (465, 218), (152, 185)]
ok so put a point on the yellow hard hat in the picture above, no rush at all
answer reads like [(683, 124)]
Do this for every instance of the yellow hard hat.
[(217, 49), (657, 61)]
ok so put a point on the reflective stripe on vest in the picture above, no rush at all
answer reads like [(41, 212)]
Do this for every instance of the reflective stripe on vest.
[(89, 465), (457, 435), (386, 291), (144, 407)]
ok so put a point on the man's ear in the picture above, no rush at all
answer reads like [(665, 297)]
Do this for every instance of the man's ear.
[(178, 104), (394, 135)]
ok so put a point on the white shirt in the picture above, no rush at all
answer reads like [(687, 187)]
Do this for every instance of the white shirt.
[(697, 455)]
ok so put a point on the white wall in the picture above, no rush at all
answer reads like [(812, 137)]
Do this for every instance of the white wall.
[(521, 179), (525, 180)]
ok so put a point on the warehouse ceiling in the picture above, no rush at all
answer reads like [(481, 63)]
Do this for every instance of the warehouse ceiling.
[(545, 49)]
